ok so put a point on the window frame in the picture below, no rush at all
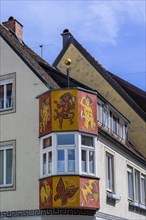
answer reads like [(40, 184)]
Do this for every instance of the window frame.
[(4, 146), (88, 149), (141, 175), (66, 147), (46, 151), (5, 80), (110, 186)]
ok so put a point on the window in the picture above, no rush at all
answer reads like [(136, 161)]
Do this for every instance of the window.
[(100, 112), (66, 153), (106, 118), (87, 154), (47, 156), (136, 186), (7, 164), (130, 183), (143, 189), (7, 93), (66, 160), (109, 172)]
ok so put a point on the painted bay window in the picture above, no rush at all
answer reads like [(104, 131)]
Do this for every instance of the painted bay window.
[(109, 172), (7, 92), (87, 155), (7, 164)]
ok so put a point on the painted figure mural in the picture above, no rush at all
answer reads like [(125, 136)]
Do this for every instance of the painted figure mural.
[(45, 193), (45, 114), (65, 108), (86, 113)]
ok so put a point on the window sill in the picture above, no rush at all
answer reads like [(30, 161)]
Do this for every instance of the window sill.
[(137, 205), (7, 188), (113, 196)]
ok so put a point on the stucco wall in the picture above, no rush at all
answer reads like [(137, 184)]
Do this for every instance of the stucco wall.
[(84, 72), (23, 126), (121, 159)]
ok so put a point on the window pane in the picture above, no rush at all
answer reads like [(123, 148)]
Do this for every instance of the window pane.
[(1, 97), (106, 118), (71, 160), (47, 142), (99, 112), (44, 164), (86, 140), (109, 172), (143, 190), (61, 162), (9, 157), (9, 95), (84, 166), (130, 183), (91, 161), (50, 162), (137, 186), (1, 167), (65, 139), (115, 125)]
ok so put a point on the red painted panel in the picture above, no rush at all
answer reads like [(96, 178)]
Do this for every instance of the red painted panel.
[(45, 121), (89, 196), (46, 193)]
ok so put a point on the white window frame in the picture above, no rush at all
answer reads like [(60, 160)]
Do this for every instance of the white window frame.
[(110, 177), (141, 175), (143, 196), (130, 172), (4, 146), (46, 151), (88, 149), (5, 80), (65, 148)]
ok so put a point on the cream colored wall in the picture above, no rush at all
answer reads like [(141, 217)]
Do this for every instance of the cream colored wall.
[(84, 72), (121, 189), (24, 127)]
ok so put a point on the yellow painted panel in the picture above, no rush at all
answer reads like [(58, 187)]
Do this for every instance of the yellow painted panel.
[(66, 191)]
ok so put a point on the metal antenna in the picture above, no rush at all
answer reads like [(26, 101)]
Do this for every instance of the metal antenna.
[(41, 46)]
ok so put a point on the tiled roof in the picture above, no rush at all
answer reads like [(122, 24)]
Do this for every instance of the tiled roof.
[(138, 95), (28, 56), (133, 95)]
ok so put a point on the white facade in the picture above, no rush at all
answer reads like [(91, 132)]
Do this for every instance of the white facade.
[(22, 127)]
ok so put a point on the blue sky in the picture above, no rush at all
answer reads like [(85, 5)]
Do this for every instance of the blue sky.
[(112, 31)]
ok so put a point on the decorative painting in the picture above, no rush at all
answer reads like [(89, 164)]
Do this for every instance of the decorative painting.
[(66, 191), (64, 110), (69, 192), (89, 193), (46, 193), (45, 114), (87, 108)]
